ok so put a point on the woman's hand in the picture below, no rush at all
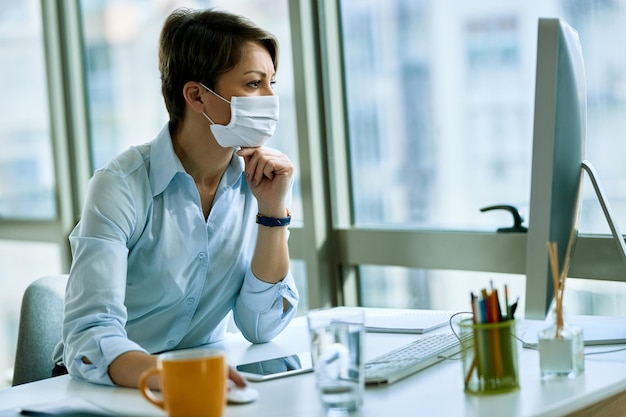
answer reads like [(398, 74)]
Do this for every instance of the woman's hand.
[(269, 173), (236, 377)]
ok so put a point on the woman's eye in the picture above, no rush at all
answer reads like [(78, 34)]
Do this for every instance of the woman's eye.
[(255, 84), (272, 84)]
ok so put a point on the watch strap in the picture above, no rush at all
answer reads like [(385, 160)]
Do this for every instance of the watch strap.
[(273, 221)]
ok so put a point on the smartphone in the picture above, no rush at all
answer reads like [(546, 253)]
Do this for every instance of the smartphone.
[(277, 367)]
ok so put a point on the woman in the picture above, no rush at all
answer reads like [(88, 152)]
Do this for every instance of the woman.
[(179, 231)]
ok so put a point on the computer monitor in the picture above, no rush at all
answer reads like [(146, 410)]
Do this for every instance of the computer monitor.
[(558, 162), (559, 135)]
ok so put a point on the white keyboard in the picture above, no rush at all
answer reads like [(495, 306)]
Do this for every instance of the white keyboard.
[(411, 358)]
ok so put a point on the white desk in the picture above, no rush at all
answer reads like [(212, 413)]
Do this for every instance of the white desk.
[(437, 391)]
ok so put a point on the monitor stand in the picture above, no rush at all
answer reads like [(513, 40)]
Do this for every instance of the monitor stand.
[(604, 203)]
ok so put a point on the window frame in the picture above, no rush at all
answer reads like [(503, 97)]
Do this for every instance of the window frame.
[(595, 256), (68, 133), (328, 242)]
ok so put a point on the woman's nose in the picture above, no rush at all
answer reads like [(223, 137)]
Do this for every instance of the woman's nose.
[(267, 91)]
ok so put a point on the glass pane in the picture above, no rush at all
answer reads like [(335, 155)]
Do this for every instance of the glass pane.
[(398, 287), (600, 24), (124, 90), (19, 270), (27, 189), (298, 269), (440, 99), (602, 298)]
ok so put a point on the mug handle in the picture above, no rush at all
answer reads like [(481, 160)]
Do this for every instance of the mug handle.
[(146, 391)]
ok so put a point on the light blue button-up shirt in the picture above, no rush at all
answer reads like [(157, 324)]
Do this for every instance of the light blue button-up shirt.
[(149, 273)]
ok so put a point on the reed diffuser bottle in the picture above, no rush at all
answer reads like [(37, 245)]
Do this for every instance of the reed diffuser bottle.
[(561, 346)]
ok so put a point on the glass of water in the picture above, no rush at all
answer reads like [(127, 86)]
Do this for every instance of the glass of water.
[(337, 338)]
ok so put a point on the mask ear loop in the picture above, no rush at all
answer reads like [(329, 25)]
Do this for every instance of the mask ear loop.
[(208, 118), (216, 95)]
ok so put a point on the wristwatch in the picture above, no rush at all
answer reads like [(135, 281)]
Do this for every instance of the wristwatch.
[(273, 221)]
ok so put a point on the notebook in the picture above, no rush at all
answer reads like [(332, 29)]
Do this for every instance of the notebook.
[(596, 330), (392, 320)]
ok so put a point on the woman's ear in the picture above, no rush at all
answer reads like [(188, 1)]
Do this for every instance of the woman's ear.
[(192, 91)]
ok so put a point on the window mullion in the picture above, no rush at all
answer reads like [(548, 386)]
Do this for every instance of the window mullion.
[(314, 239), (68, 116)]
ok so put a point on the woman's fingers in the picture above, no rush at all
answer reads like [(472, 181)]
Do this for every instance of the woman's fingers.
[(264, 163), (236, 377)]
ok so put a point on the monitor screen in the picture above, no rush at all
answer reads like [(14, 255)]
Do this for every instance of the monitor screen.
[(558, 151)]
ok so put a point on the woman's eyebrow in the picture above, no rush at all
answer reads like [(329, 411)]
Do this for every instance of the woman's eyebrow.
[(260, 72)]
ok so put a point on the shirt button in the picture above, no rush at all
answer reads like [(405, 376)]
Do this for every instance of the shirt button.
[(190, 300), (201, 255), (171, 343)]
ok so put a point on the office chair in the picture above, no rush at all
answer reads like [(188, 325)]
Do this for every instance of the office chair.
[(41, 320)]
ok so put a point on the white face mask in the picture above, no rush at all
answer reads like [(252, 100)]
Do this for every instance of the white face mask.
[(253, 121)]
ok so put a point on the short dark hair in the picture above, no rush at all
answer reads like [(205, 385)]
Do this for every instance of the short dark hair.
[(200, 45)]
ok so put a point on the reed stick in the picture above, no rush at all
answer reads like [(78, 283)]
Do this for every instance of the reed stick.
[(558, 280)]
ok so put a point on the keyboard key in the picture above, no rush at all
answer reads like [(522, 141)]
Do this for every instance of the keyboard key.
[(411, 358)]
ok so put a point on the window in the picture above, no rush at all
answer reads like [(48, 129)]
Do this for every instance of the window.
[(123, 84), (404, 118), (28, 190), (440, 102)]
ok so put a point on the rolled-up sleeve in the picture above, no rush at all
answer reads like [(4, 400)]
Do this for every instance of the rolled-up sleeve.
[(95, 315), (259, 311)]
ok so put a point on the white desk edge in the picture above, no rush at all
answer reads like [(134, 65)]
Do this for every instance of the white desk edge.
[(436, 391)]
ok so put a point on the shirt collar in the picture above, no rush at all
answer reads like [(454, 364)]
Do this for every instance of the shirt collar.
[(164, 164), (234, 171)]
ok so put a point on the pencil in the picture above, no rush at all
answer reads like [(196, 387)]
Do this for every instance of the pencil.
[(497, 303), (473, 301), (470, 370), (494, 334), (506, 302)]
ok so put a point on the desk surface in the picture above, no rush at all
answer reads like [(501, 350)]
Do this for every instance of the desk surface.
[(436, 391)]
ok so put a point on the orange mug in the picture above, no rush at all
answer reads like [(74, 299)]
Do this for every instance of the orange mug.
[(193, 383)]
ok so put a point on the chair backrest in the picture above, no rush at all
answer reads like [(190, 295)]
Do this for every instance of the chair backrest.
[(41, 320)]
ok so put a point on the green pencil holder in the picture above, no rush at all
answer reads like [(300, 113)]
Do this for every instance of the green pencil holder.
[(489, 357)]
